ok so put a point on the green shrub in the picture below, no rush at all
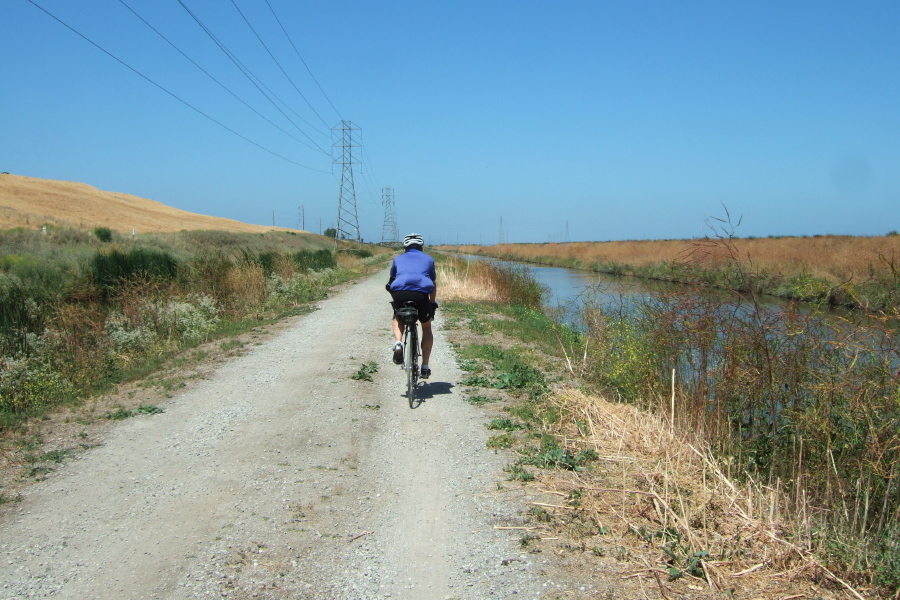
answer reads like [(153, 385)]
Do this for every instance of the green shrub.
[(127, 336), (297, 290), (518, 285), (110, 270), (357, 252), (315, 261), (43, 277), (104, 234), (267, 261), (191, 319), (19, 316), (208, 274), (27, 384)]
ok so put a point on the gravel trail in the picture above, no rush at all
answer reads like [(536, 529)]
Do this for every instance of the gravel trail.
[(281, 477)]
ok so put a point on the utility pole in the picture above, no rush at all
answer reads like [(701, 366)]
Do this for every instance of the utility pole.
[(500, 237), (389, 230), (302, 217), (347, 226), (567, 232)]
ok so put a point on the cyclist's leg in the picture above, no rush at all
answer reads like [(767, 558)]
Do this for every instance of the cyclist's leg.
[(427, 341), (397, 327)]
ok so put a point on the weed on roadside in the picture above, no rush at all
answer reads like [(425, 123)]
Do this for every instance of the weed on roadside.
[(481, 399), (365, 372), (475, 381), (38, 472), (4, 499), (504, 425), (517, 473), (56, 456), (471, 366), (504, 440), (143, 409), (231, 345)]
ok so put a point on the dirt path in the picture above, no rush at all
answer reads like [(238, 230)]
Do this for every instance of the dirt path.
[(281, 477)]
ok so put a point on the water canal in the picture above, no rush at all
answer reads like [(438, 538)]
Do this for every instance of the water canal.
[(566, 287)]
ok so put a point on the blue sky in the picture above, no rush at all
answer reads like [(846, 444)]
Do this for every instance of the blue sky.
[(612, 120)]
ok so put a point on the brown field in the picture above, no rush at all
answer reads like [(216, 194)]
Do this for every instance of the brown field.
[(31, 202), (836, 258)]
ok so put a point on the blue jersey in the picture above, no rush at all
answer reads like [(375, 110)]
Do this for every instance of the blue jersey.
[(413, 271)]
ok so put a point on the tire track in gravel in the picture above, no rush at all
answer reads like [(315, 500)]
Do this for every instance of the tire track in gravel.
[(280, 477)]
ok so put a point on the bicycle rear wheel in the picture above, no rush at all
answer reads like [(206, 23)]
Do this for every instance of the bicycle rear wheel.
[(408, 361)]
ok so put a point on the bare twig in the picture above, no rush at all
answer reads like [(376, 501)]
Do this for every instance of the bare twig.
[(662, 588), (552, 505), (748, 571), (356, 537), (839, 580)]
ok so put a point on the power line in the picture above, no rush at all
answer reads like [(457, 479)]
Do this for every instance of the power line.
[(371, 185), (279, 64), (303, 61), (263, 89), (222, 85), (256, 81), (369, 162), (185, 102)]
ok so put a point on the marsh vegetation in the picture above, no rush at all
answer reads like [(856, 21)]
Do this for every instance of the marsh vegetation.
[(763, 436)]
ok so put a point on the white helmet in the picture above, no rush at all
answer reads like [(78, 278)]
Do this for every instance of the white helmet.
[(413, 239)]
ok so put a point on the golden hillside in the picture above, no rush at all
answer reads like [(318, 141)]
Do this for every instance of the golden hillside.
[(32, 202)]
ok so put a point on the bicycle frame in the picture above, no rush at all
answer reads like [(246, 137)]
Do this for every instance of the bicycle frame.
[(408, 316)]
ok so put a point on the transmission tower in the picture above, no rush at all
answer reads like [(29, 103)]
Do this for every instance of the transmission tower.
[(389, 232), (347, 227)]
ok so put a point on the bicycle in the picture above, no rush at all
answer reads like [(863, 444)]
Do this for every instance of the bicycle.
[(408, 315)]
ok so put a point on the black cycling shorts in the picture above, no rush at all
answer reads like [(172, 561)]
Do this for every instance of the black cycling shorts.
[(423, 303)]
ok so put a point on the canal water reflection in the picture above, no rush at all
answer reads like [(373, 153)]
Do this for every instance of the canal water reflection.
[(566, 286)]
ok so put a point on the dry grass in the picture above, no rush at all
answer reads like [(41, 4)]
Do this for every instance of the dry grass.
[(837, 258), (467, 281), (651, 487), (246, 286), (31, 202)]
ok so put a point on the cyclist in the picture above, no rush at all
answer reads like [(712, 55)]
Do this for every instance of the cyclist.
[(413, 278)]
